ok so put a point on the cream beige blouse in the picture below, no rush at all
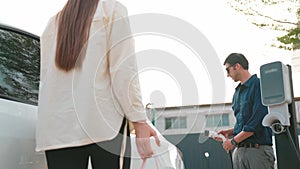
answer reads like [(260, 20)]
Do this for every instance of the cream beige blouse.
[(87, 105)]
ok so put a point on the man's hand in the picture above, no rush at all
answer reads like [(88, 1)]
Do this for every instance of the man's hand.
[(226, 133), (227, 145), (218, 138)]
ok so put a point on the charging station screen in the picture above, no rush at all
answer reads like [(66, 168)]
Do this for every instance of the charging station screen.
[(272, 86)]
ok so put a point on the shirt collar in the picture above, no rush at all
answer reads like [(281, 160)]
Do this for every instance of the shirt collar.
[(248, 82)]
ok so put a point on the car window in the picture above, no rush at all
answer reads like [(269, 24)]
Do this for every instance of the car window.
[(19, 66)]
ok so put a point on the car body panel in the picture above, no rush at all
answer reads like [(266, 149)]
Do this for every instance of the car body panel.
[(17, 135)]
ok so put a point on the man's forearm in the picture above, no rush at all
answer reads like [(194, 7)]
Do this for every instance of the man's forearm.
[(242, 136)]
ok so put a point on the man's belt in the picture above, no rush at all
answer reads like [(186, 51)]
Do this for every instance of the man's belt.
[(249, 145)]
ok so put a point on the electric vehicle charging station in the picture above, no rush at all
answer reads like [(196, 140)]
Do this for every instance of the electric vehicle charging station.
[(277, 94)]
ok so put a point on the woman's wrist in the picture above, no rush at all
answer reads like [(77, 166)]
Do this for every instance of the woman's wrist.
[(138, 122)]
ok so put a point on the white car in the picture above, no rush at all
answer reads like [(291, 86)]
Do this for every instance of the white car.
[(19, 78), (19, 82)]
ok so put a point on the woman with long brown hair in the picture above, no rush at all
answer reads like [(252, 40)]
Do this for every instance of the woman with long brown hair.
[(89, 89)]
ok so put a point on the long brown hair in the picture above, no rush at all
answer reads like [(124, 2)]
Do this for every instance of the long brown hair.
[(74, 22)]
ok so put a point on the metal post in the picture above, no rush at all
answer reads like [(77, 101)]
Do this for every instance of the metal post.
[(152, 112), (287, 145), (292, 110), (154, 117)]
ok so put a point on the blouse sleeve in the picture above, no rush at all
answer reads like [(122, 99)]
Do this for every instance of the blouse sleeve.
[(123, 66)]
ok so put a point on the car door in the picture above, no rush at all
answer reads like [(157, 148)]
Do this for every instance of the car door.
[(19, 82)]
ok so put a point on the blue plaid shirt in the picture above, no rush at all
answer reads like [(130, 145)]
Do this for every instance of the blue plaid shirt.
[(249, 112)]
